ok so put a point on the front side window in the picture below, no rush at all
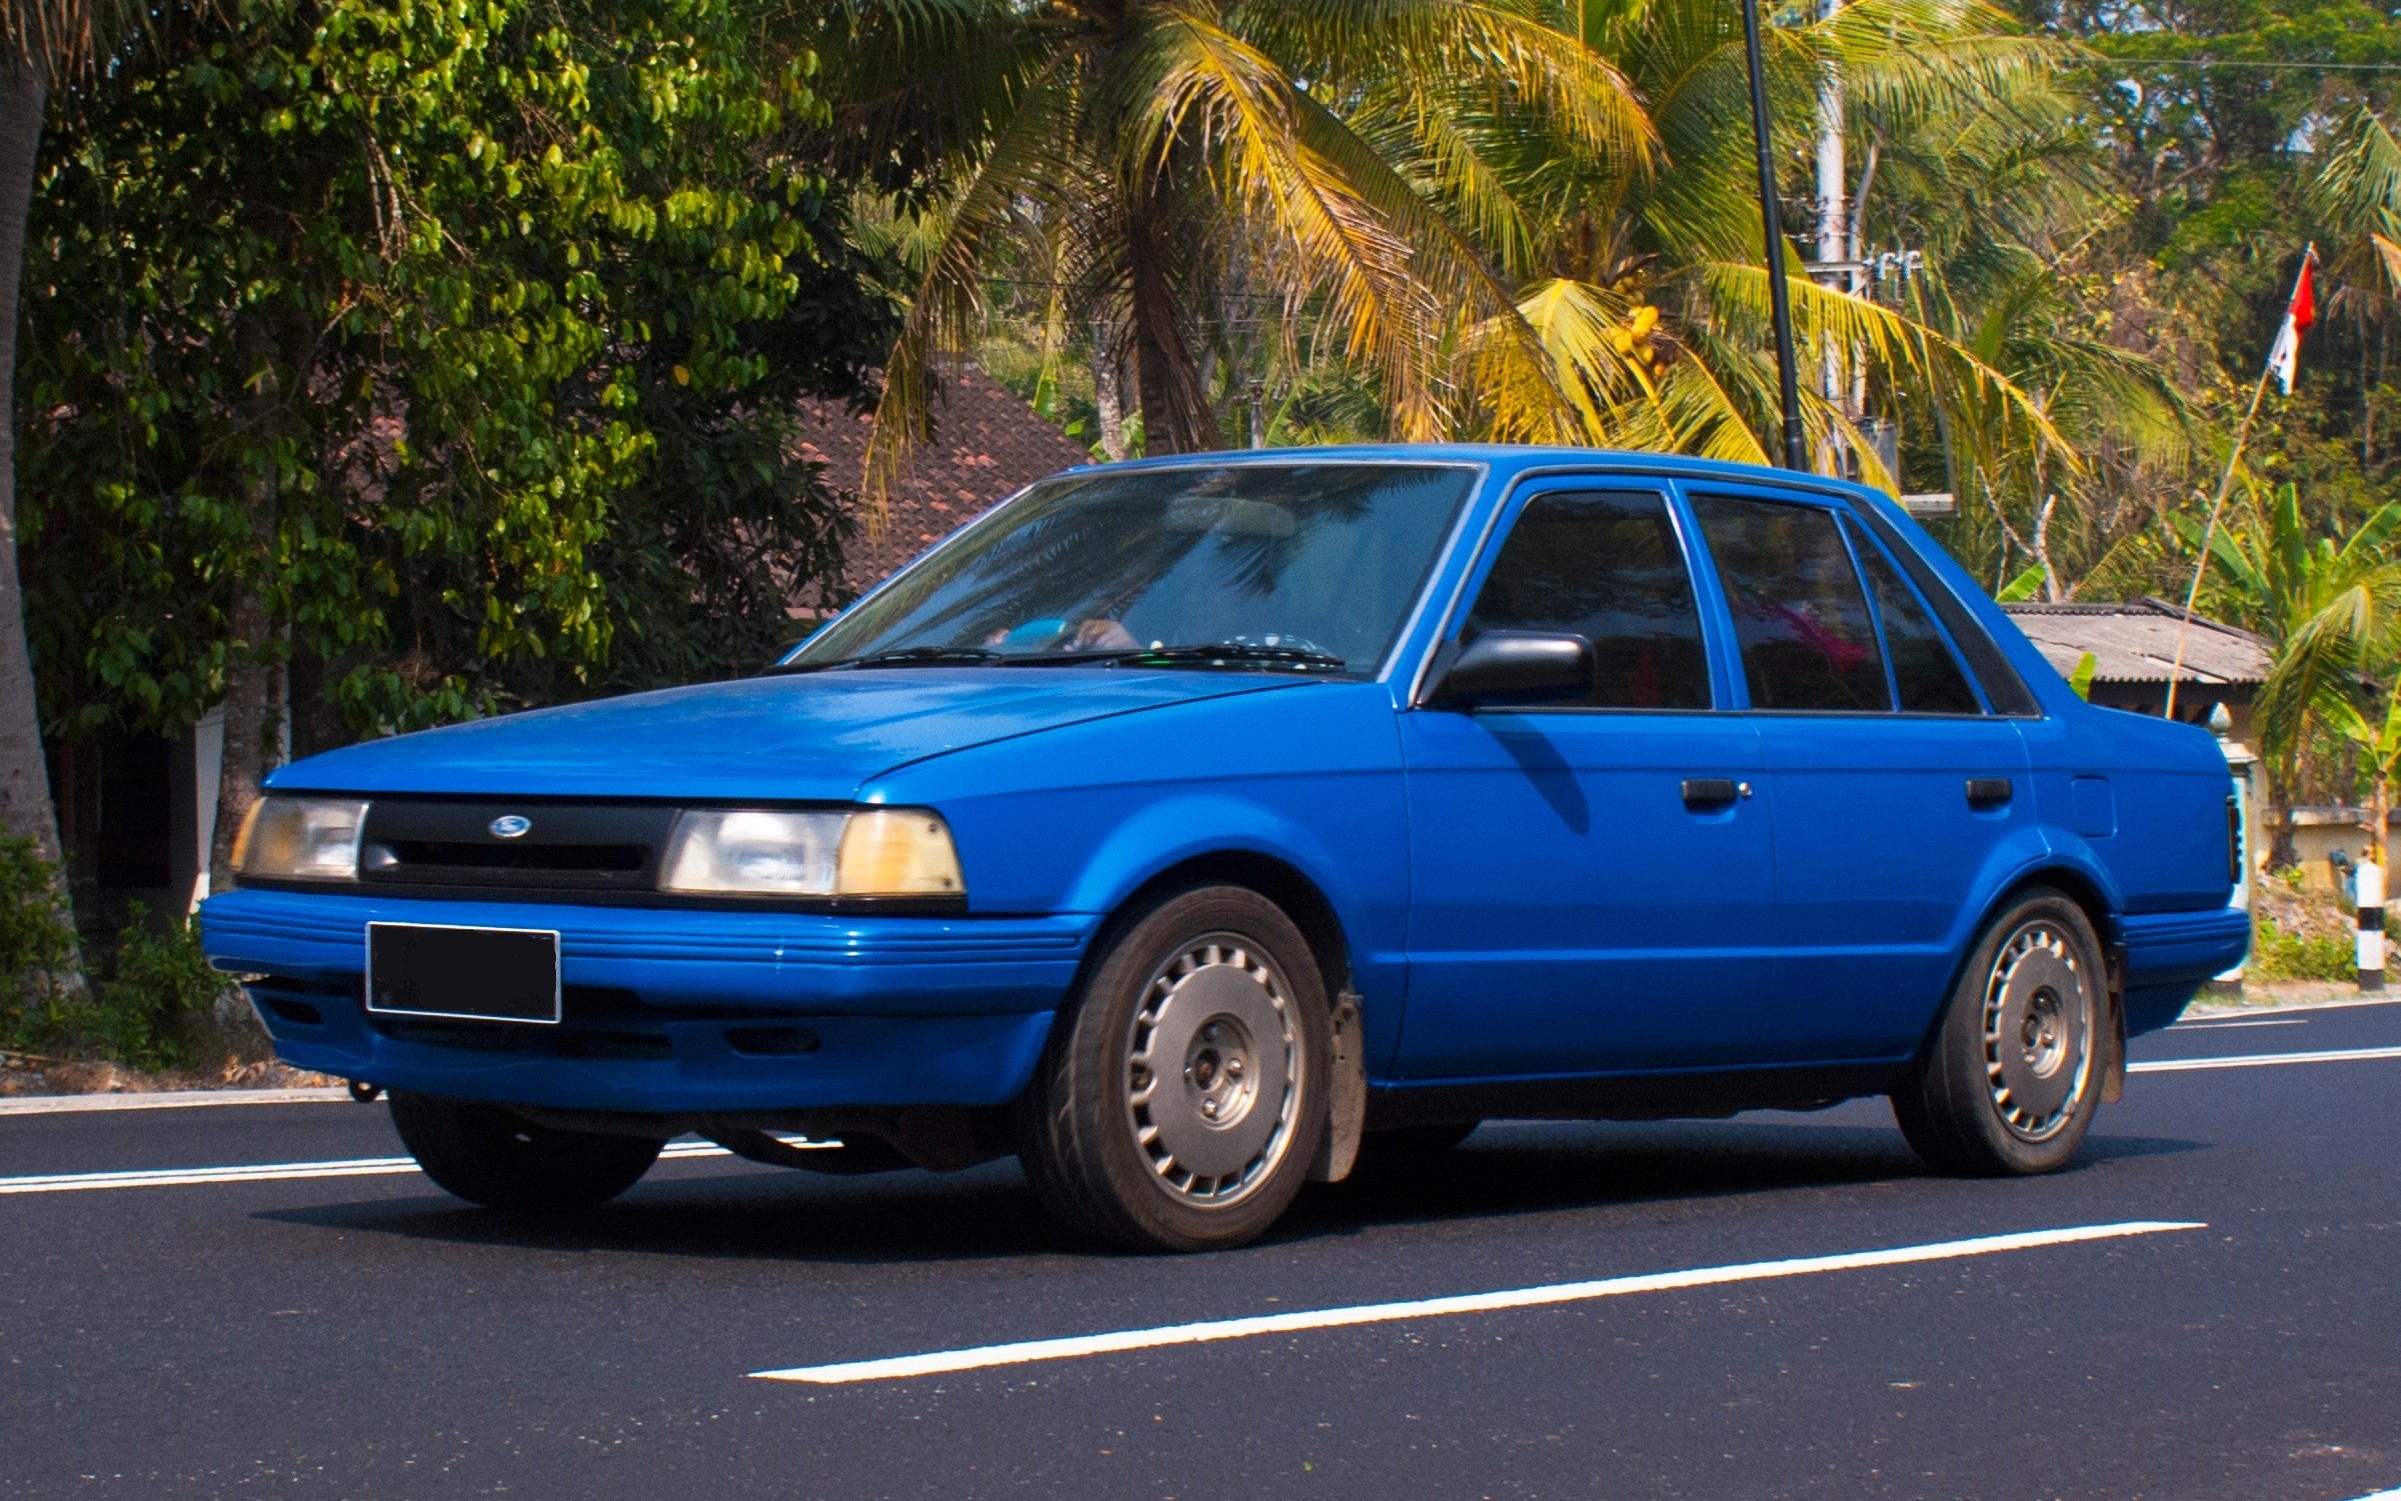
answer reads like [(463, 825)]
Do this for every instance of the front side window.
[(1929, 677), (1605, 566), (1808, 642), (1314, 563)]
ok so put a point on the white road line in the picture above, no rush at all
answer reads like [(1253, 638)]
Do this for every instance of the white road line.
[(2380, 1496), (2210, 1009), (262, 1172), (941, 1362), (2289, 1021), (2259, 1060), (167, 1099)]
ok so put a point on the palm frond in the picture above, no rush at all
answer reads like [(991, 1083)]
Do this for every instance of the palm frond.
[(974, 229)]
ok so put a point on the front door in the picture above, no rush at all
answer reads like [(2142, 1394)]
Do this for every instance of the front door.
[(1897, 794), (1590, 882)]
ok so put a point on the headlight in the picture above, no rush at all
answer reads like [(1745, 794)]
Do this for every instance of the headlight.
[(888, 852), (300, 839)]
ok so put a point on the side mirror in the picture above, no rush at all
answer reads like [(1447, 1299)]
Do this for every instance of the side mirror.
[(1517, 667)]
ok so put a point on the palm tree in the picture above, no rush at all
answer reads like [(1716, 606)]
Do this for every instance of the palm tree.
[(1161, 160), (1643, 282), (2332, 605)]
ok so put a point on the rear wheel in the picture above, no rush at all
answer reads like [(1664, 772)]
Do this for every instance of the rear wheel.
[(2011, 1079), (1181, 1098), (490, 1157)]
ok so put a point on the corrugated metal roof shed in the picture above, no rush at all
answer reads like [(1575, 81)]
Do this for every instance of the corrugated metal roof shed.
[(2135, 642)]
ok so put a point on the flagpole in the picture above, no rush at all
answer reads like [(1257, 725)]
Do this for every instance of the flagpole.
[(2242, 437), (2192, 596)]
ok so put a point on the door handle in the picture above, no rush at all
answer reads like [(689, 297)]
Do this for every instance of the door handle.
[(1713, 792), (1989, 792)]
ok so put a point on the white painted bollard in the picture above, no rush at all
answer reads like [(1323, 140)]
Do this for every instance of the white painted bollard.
[(2368, 882)]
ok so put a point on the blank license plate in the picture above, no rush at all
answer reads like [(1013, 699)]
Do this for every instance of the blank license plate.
[(489, 974)]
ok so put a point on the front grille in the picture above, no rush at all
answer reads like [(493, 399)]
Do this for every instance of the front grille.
[(547, 857), (564, 847)]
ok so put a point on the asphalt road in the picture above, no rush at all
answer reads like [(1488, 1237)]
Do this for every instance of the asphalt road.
[(364, 1336)]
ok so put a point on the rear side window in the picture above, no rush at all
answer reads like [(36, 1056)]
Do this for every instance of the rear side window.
[(1929, 677), (1808, 642), (1606, 566)]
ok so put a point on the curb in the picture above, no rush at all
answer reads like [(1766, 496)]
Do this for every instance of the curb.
[(166, 1099)]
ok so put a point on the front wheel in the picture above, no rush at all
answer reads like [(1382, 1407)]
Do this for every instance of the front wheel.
[(488, 1156), (2010, 1080), (1181, 1098)]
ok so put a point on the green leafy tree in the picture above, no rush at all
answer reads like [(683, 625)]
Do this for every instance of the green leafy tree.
[(443, 353)]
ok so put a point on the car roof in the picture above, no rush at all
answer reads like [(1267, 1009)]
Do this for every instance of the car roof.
[(1507, 458)]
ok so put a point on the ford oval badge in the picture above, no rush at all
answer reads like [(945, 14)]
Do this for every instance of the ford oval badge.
[(511, 826)]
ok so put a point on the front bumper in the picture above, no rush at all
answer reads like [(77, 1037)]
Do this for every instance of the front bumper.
[(661, 1005)]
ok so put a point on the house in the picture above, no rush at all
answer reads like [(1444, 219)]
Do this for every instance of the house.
[(987, 446), (137, 813), (2133, 646)]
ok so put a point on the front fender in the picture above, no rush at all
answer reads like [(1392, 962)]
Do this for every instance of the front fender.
[(1178, 830), (1168, 833)]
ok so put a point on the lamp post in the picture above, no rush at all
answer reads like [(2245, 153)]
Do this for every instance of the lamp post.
[(1779, 297)]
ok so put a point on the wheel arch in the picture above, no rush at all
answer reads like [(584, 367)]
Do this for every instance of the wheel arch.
[(1313, 912), (2091, 895), (1279, 880)]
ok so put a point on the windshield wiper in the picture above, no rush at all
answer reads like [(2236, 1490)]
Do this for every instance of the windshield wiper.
[(1224, 653), (907, 656), (1247, 653)]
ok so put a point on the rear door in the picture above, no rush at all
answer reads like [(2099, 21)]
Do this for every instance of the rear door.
[(1590, 882), (1895, 788)]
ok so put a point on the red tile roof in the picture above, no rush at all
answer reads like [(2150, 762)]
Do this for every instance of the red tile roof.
[(987, 445)]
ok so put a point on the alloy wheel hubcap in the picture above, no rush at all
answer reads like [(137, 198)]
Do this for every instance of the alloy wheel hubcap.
[(2038, 1014), (1212, 1070)]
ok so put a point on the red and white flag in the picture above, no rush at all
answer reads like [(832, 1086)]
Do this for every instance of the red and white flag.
[(2302, 312)]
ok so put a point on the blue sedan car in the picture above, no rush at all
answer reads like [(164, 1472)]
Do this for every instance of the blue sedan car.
[(1188, 828)]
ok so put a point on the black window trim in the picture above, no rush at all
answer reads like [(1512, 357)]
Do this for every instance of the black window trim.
[(1530, 486)]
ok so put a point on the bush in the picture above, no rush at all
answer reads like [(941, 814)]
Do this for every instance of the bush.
[(2278, 955), (37, 947), (155, 1006), (152, 1005)]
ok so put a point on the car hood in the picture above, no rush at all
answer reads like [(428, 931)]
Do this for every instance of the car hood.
[(817, 736)]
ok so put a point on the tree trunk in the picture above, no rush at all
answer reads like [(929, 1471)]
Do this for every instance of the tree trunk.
[(1106, 392), (2381, 816), (1175, 408), (254, 681), (253, 726), (25, 807)]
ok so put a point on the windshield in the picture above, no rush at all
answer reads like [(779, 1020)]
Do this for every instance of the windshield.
[(1312, 565)]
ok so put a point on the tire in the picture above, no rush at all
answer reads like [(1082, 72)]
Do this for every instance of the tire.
[(2011, 1078), (1402, 1143), (488, 1156), (1181, 1098)]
